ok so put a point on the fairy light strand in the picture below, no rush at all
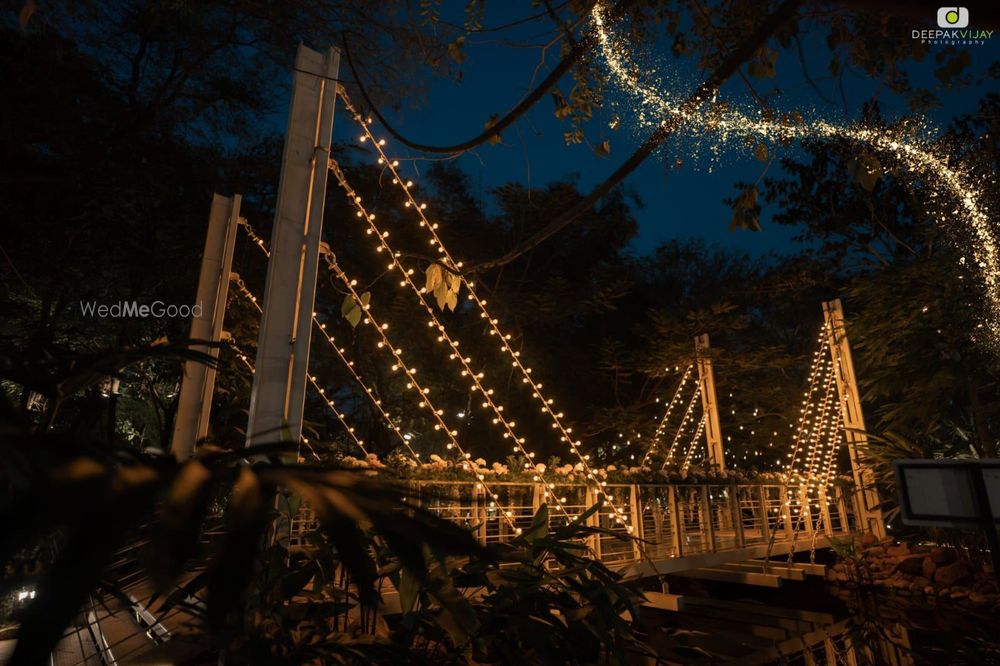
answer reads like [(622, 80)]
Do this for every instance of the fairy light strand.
[(505, 346), (488, 401), (680, 429), (246, 293), (918, 156), (340, 353), (450, 263), (694, 443), (661, 427)]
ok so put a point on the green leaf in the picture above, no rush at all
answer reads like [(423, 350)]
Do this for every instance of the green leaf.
[(409, 590), (350, 309)]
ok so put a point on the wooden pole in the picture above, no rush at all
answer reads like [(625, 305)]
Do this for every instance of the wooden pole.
[(868, 502), (713, 429), (277, 398), (194, 404)]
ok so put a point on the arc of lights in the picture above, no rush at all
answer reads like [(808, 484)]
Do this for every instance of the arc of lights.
[(917, 155), (247, 294), (547, 407), (376, 403), (662, 426)]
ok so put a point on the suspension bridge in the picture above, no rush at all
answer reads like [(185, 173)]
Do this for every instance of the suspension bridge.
[(721, 529)]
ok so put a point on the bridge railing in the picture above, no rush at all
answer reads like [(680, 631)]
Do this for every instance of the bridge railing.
[(669, 520)]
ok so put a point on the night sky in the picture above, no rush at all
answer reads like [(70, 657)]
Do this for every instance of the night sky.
[(679, 202)]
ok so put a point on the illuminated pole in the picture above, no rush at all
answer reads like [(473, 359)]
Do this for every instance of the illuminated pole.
[(276, 401), (194, 404), (710, 406), (868, 502)]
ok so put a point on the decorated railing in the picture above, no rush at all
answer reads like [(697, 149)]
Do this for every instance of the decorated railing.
[(667, 520)]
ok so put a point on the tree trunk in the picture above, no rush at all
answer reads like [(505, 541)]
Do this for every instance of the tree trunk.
[(987, 447)]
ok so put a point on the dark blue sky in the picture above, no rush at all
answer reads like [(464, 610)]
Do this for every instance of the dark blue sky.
[(679, 202)]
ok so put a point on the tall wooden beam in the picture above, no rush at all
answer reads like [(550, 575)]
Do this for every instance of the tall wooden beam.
[(713, 429), (277, 397), (866, 494), (194, 405)]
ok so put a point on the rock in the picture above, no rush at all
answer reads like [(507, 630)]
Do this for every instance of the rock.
[(951, 574), (943, 555), (911, 564), (927, 568), (944, 591), (957, 594), (874, 551), (929, 590), (921, 582), (898, 551)]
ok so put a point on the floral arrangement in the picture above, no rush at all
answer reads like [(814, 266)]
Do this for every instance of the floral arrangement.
[(516, 471)]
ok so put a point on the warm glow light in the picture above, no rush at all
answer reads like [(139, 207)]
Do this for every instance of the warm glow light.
[(956, 189)]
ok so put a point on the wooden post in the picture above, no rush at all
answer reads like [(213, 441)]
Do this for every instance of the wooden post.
[(786, 513), (479, 502), (713, 430), (590, 499), (824, 512), (868, 502), (676, 521), (277, 398), (707, 526), (736, 511), (194, 405), (805, 511), (635, 505)]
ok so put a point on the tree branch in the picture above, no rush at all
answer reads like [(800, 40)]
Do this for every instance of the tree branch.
[(727, 68), (576, 51)]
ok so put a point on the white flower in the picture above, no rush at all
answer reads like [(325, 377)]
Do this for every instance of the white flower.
[(435, 458), (540, 468), (480, 462)]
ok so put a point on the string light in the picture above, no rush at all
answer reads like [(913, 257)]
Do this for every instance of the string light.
[(488, 401), (693, 444), (680, 429), (412, 383), (547, 404), (347, 363), (661, 427), (246, 293)]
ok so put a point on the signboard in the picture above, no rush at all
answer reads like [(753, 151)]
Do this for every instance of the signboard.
[(948, 493)]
